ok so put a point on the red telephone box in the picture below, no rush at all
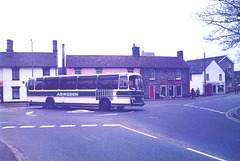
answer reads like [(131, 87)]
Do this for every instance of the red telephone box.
[(209, 89)]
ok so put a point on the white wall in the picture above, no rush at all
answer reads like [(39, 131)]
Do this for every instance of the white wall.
[(214, 70), (24, 75), (197, 82)]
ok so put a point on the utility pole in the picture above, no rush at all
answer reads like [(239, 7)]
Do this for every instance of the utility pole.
[(205, 83), (32, 55)]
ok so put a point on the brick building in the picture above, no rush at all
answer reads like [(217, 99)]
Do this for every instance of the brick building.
[(162, 76)]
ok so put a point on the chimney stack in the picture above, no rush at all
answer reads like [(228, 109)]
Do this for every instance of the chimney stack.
[(180, 54), (55, 46), (135, 50), (63, 56), (9, 46)]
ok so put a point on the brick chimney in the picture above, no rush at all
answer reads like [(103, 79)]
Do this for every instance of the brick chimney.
[(135, 50), (9, 46), (55, 47), (180, 54)]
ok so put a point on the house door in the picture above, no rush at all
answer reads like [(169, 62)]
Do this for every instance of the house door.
[(170, 91), (151, 92), (214, 88), (1, 94)]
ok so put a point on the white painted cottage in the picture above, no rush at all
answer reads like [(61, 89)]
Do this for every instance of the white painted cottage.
[(215, 76), (17, 67)]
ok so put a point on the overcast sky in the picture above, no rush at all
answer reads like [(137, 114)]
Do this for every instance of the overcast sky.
[(107, 27)]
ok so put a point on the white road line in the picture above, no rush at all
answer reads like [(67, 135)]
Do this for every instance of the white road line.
[(110, 114), (8, 127), (139, 132), (111, 125), (67, 125), (47, 126), (203, 108), (229, 115), (208, 155), (80, 111), (89, 125), (30, 114), (26, 127)]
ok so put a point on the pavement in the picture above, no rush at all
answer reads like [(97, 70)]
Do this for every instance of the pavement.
[(6, 154)]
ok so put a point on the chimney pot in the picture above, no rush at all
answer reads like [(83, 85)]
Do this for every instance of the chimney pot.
[(9, 46), (180, 54), (135, 50), (55, 46)]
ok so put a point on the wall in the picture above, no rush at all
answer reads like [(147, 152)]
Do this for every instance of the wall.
[(24, 75), (1, 74), (71, 71), (197, 82), (166, 77), (225, 64)]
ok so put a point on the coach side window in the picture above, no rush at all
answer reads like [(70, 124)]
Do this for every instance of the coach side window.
[(107, 82), (39, 84), (31, 84), (68, 83), (51, 83), (87, 82), (123, 82)]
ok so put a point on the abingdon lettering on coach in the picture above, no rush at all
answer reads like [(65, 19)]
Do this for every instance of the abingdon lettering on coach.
[(67, 94)]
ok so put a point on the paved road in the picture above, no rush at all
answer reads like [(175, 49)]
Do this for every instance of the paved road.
[(184, 129)]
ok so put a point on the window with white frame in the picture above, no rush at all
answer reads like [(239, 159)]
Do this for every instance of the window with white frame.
[(15, 73), (46, 71), (130, 70), (207, 77), (78, 71), (15, 93), (152, 74), (178, 74), (99, 70), (220, 77)]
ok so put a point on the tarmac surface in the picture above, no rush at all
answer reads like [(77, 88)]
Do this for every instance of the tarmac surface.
[(8, 153)]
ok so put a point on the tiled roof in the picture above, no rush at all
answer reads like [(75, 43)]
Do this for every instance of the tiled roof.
[(111, 61), (28, 59), (197, 66)]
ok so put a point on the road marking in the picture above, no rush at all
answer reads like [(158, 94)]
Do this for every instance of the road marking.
[(67, 125), (139, 132), (30, 114), (111, 125), (208, 155), (204, 108), (80, 111), (233, 112), (89, 125), (47, 126), (110, 114), (8, 127), (115, 114), (26, 127), (3, 122)]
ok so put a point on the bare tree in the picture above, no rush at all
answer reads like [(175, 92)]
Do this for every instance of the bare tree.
[(224, 16)]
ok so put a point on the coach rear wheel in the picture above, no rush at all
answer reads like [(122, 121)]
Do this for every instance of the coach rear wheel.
[(50, 103), (104, 104)]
